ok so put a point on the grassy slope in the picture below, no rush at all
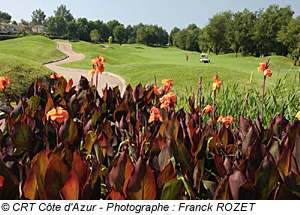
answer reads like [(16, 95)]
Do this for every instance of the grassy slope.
[(35, 48), (141, 63), (20, 60)]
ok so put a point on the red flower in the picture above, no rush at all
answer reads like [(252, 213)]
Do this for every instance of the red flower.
[(268, 72), (217, 83), (4, 82), (208, 109), (100, 68), (226, 120)]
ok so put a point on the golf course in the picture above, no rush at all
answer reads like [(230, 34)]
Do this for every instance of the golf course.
[(139, 64)]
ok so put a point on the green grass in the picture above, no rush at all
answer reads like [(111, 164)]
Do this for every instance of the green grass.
[(140, 63), (34, 48), (21, 59)]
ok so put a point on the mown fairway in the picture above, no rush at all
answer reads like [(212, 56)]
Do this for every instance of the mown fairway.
[(140, 63)]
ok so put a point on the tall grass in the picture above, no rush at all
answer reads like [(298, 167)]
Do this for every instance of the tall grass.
[(277, 99)]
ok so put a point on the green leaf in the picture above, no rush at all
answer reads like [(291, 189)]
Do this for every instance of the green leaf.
[(22, 137), (68, 132), (173, 190), (266, 177)]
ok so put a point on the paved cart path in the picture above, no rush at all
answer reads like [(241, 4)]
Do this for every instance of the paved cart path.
[(105, 78)]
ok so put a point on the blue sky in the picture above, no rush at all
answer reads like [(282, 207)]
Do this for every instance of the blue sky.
[(165, 13)]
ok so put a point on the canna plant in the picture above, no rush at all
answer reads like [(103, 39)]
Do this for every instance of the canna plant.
[(60, 142)]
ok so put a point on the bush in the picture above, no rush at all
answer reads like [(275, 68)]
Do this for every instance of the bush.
[(7, 37), (136, 146)]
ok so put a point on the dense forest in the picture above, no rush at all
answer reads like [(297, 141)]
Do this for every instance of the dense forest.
[(259, 33)]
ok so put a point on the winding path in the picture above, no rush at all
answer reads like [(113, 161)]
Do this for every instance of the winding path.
[(105, 78)]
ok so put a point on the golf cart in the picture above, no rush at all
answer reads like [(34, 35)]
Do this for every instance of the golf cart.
[(204, 58)]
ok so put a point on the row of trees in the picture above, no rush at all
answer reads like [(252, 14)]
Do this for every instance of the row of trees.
[(250, 33)]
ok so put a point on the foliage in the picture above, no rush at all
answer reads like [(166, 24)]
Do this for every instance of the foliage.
[(63, 12), (119, 34), (72, 30), (38, 17), (106, 149), (95, 36), (110, 39), (5, 17)]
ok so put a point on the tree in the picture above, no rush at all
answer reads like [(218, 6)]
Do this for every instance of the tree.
[(95, 36), (172, 34), (119, 34), (216, 31), (14, 22), (56, 25), (5, 17), (63, 12), (267, 27), (72, 30), (38, 17), (83, 33), (24, 22), (290, 36)]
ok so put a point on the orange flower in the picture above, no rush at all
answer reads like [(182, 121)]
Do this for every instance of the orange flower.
[(226, 120), (208, 109), (154, 115), (217, 83), (262, 67), (166, 83), (4, 82), (167, 99), (268, 72), (298, 115), (98, 60), (92, 71), (156, 90), (231, 119), (58, 114), (55, 75), (100, 68)]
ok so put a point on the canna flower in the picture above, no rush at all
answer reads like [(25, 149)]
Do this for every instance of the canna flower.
[(167, 83), (226, 120), (268, 72), (58, 114), (4, 82), (156, 91), (154, 115), (55, 75), (298, 115), (100, 68), (208, 109), (167, 99), (262, 67), (98, 60), (217, 83), (92, 71)]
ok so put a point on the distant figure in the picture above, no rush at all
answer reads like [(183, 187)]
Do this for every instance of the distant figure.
[(186, 58)]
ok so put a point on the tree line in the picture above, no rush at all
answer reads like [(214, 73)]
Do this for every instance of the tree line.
[(258, 33)]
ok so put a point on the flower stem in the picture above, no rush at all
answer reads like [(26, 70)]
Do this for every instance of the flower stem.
[(263, 96)]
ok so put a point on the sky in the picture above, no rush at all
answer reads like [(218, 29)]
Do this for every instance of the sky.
[(165, 13)]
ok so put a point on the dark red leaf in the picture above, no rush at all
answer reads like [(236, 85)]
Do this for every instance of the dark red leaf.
[(236, 180), (56, 177), (166, 175), (141, 185), (70, 190)]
